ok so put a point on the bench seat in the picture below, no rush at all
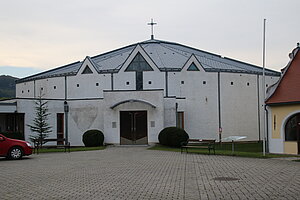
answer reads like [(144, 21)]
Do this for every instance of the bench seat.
[(38, 144), (198, 144)]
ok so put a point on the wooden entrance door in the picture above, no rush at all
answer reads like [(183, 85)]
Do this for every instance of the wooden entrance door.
[(133, 127)]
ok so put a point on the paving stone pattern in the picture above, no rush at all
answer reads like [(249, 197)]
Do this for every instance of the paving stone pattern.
[(138, 173)]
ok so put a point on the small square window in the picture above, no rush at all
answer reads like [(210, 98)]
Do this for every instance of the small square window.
[(204, 82), (77, 85), (54, 87), (231, 83), (97, 84), (127, 83), (149, 82), (248, 84), (182, 82), (114, 124)]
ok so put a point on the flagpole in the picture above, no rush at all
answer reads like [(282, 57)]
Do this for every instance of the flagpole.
[(264, 87)]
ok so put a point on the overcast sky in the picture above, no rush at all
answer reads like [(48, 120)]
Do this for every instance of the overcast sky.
[(39, 35)]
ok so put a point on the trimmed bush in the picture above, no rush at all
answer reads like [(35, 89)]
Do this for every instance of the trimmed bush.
[(172, 136), (93, 138)]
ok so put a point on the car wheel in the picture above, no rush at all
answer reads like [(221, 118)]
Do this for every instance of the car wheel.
[(15, 153)]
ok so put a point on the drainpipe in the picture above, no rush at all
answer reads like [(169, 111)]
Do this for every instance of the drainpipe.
[(267, 129), (176, 109), (66, 109)]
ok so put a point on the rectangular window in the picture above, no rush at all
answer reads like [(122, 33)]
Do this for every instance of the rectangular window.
[(180, 120), (60, 127), (139, 80), (274, 122), (13, 123)]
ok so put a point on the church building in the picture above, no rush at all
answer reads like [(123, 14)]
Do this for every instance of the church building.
[(132, 93)]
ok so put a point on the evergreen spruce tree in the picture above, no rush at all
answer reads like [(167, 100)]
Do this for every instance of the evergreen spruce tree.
[(40, 124)]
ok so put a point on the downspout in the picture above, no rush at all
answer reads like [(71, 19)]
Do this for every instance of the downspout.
[(267, 129), (167, 90), (112, 81), (66, 111), (258, 109), (34, 95), (176, 116), (219, 108)]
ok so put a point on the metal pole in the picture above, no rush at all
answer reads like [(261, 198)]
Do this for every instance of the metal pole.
[(264, 87)]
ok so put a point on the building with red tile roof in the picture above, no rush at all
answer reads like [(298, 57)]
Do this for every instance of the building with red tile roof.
[(283, 105)]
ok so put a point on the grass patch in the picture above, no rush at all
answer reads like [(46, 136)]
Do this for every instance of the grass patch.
[(72, 149), (252, 150)]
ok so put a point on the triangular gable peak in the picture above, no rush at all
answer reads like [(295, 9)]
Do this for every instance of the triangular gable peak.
[(87, 70), (87, 67), (138, 64), (139, 54), (288, 87), (193, 65)]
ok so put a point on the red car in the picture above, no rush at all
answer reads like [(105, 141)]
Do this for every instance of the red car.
[(14, 149)]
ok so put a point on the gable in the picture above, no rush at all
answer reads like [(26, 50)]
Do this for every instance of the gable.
[(289, 86), (139, 64), (87, 67), (138, 60), (192, 65)]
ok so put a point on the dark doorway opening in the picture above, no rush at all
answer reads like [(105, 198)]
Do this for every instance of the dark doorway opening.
[(292, 130), (133, 127)]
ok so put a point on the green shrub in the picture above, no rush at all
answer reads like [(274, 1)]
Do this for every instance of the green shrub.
[(93, 138), (172, 136)]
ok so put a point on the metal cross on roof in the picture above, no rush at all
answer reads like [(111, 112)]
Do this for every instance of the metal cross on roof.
[(152, 24)]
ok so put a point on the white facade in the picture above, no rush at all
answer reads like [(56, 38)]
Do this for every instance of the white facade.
[(210, 98)]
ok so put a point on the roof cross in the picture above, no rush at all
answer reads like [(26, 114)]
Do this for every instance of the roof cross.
[(152, 24)]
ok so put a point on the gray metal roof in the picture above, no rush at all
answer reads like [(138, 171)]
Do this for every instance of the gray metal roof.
[(166, 56)]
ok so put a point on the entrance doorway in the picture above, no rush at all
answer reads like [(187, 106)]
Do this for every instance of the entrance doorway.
[(133, 127), (292, 130)]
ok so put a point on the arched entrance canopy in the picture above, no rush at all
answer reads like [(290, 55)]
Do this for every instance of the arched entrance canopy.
[(131, 101)]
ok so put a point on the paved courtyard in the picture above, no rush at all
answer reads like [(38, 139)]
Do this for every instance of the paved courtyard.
[(138, 173)]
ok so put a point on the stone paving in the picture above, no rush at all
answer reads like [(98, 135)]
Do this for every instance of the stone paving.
[(138, 173)]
